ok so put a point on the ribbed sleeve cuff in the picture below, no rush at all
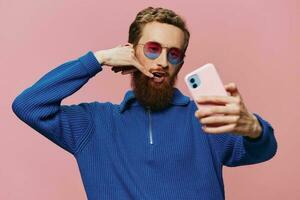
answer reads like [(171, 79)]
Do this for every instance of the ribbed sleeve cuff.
[(91, 63), (265, 131)]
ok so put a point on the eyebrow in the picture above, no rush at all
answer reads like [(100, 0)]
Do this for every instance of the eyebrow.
[(163, 45)]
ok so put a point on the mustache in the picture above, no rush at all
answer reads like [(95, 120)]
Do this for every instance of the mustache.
[(160, 72), (138, 73)]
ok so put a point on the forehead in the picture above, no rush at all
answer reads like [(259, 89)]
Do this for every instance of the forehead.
[(166, 34)]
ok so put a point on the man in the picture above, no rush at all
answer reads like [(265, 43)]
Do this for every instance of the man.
[(155, 144)]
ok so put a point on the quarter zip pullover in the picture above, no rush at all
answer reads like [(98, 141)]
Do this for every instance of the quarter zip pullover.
[(125, 154)]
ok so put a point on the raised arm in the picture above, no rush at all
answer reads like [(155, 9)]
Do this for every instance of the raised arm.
[(40, 107), (238, 136)]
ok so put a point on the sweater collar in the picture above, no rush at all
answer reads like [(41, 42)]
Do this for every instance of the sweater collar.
[(178, 99)]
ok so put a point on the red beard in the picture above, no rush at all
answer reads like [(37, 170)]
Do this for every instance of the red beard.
[(156, 96)]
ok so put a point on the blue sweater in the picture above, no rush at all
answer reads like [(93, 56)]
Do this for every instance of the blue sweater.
[(126, 152)]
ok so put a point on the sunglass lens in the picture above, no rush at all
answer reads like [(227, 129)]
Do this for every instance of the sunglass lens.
[(174, 56), (152, 50)]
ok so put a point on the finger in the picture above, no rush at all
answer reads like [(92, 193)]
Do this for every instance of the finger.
[(128, 44), (115, 69), (220, 119), (129, 71), (232, 88), (147, 73), (125, 45), (229, 109), (216, 99), (143, 69), (140, 67), (220, 129), (122, 68)]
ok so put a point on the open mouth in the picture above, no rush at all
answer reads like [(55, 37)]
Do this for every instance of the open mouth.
[(159, 77), (158, 74)]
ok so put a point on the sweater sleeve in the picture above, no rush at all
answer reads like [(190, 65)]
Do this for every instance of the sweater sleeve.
[(39, 106), (233, 150)]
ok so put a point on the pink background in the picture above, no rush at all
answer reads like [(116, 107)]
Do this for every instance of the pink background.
[(253, 43)]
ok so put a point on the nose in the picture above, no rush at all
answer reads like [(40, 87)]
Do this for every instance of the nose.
[(162, 59)]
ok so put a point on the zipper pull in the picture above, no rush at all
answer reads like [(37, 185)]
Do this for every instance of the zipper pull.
[(150, 126)]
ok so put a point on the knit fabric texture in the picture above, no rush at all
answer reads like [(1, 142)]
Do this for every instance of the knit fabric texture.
[(127, 152)]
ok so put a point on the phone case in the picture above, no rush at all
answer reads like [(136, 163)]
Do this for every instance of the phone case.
[(205, 81)]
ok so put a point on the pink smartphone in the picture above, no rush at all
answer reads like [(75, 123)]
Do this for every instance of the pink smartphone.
[(205, 81)]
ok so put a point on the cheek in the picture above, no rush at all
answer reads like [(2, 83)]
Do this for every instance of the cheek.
[(173, 70), (146, 62), (143, 60)]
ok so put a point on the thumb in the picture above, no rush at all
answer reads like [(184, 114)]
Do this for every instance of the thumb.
[(143, 69), (232, 89)]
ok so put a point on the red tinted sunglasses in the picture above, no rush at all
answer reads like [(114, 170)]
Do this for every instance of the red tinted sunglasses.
[(152, 50)]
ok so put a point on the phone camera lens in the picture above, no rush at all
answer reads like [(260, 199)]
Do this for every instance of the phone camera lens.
[(195, 85), (192, 80)]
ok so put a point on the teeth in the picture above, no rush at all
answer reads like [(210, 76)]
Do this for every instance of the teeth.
[(158, 74)]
